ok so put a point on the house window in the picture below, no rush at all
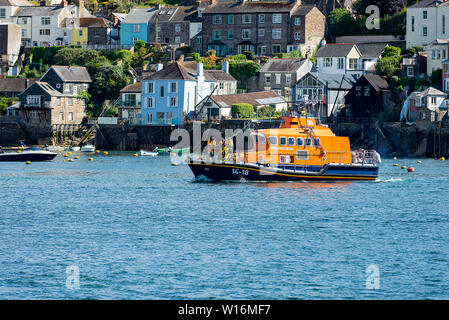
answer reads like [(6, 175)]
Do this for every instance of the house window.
[(173, 101), (262, 50), (277, 18), (24, 32), (173, 87), (34, 100), (367, 92), (216, 19), (199, 39), (159, 29), (2, 12), (261, 18), (413, 23), (297, 21), (246, 19), (70, 116), (80, 33), (150, 102), (358, 91), (45, 21), (443, 24), (70, 101), (275, 48), (44, 32), (162, 91), (177, 39), (297, 35), (278, 78), (24, 20), (268, 79), (177, 28), (136, 28), (423, 115), (230, 34), (231, 19), (433, 100), (424, 31), (97, 32), (353, 64), (328, 62), (58, 101), (61, 115), (424, 14), (150, 87), (340, 63), (246, 33), (411, 71), (261, 32), (216, 34), (277, 33), (288, 79)]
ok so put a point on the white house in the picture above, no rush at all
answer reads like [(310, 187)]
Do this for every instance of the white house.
[(8, 9), (339, 58), (42, 25), (427, 21), (436, 53), (173, 92)]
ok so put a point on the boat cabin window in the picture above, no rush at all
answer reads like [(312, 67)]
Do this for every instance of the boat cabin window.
[(316, 142), (291, 141), (302, 155), (308, 142), (282, 141), (272, 140), (299, 142)]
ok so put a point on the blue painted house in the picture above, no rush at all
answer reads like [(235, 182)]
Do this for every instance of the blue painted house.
[(171, 93), (135, 26)]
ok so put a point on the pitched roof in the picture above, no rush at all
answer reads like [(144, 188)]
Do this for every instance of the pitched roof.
[(39, 11), (224, 7), (186, 70), (253, 98), (90, 22), (176, 14), (72, 74), (376, 81), (44, 86), (428, 3), (334, 50), (132, 88), (291, 65), (15, 84), (333, 81), (371, 50), (369, 39), (433, 92), (139, 15)]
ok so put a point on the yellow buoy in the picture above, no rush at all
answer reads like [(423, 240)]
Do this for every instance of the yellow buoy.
[(19, 151), (135, 155), (442, 159), (66, 155), (419, 161), (59, 149), (411, 169), (91, 159), (173, 154), (395, 164), (175, 164), (403, 167), (76, 157), (28, 162), (69, 152), (70, 160), (97, 151), (105, 153)]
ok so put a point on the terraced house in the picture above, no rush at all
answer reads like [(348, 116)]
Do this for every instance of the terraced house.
[(263, 27)]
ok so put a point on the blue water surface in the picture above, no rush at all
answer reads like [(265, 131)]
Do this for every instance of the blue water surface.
[(139, 228)]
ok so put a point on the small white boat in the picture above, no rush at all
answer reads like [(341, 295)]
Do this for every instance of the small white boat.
[(55, 148), (88, 148), (145, 153), (75, 148)]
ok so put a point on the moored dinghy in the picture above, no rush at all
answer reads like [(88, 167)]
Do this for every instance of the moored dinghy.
[(88, 148), (145, 153)]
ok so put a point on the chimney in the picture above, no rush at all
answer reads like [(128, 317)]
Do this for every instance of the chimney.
[(64, 3), (27, 83), (199, 69), (159, 67), (81, 9), (225, 66)]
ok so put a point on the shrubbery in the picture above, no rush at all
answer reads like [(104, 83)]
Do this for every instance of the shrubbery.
[(243, 110)]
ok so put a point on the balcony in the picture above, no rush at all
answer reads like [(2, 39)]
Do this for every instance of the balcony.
[(129, 104), (45, 104)]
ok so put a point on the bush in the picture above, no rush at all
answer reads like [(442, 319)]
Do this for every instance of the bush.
[(266, 112), (341, 22), (243, 110), (391, 51), (388, 66)]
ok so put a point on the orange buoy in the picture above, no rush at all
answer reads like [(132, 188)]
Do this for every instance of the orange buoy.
[(411, 169)]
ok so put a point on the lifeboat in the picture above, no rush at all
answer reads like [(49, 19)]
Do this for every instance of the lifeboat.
[(298, 150)]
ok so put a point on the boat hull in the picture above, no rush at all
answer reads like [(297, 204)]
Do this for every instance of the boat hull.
[(247, 172), (28, 156)]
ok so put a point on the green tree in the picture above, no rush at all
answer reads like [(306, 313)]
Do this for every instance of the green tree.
[(341, 22), (243, 110), (387, 66), (107, 83), (391, 51)]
